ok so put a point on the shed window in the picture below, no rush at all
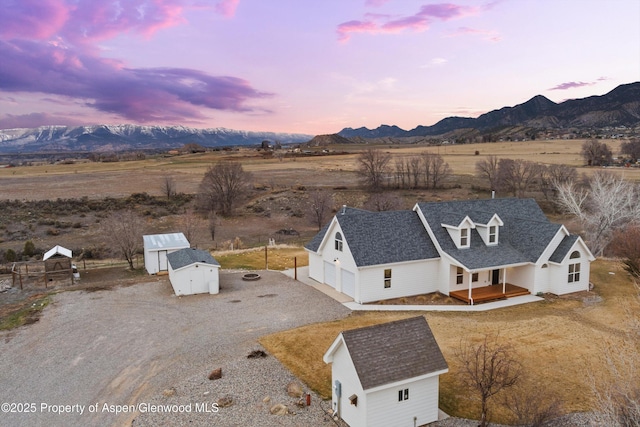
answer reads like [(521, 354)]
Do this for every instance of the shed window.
[(403, 395), (338, 242), (459, 276), (464, 237), (574, 272), (387, 278)]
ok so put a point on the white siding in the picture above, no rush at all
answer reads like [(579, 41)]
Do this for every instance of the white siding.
[(523, 276), (316, 267), (410, 278), (195, 279), (559, 275), (342, 369), (384, 409)]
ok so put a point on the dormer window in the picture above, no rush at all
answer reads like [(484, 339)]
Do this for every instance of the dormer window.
[(493, 234), (464, 237), (338, 242)]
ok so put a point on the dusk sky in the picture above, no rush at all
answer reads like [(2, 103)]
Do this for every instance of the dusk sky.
[(305, 66)]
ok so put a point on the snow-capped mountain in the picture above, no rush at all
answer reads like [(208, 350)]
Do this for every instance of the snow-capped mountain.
[(130, 137)]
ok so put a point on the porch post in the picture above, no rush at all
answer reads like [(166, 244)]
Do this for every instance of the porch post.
[(504, 280), (470, 298)]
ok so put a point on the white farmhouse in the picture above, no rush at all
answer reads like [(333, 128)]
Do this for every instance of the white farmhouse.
[(387, 374), (156, 248), (193, 271), (472, 250)]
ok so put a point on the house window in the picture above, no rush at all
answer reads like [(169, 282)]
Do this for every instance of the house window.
[(387, 278), (574, 272), (464, 237), (338, 242), (574, 255), (493, 234), (459, 276), (474, 277), (403, 395)]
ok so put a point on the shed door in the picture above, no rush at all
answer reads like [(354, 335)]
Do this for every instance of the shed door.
[(348, 283), (162, 261), (330, 274)]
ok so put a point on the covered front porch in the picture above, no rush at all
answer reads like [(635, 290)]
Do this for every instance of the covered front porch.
[(489, 293)]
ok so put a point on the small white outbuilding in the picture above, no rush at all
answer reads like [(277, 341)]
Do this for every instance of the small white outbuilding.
[(387, 374), (193, 271), (156, 248)]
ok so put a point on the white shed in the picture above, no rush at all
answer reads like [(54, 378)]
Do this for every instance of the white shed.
[(193, 271), (156, 248), (386, 374)]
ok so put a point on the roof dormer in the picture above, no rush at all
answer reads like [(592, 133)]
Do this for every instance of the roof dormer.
[(461, 233), (490, 231)]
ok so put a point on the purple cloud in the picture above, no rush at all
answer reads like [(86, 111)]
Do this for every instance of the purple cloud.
[(142, 95), (11, 121), (376, 24), (49, 47), (375, 3), (571, 85)]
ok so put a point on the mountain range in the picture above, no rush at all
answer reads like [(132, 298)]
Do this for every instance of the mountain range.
[(620, 107), (102, 138)]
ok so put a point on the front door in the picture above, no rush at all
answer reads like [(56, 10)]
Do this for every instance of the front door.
[(495, 277)]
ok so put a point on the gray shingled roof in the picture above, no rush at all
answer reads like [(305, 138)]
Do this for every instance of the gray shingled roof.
[(563, 248), (394, 351), (188, 256), (524, 236), (382, 237)]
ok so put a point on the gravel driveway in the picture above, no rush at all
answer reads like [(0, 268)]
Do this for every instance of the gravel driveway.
[(140, 346)]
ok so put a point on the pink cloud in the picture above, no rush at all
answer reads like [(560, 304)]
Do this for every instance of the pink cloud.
[(38, 19), (141, 95), (375, 3), (490, 35), (420, 21), (571, 85), (227, 7)]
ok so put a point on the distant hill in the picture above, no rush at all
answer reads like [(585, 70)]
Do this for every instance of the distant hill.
[(324, 140), (103, 138), (620, 107)]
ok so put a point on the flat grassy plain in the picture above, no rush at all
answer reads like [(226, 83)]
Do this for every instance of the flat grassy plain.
[(561, 342)]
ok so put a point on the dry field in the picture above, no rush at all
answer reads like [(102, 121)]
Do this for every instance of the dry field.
[(561, 342)]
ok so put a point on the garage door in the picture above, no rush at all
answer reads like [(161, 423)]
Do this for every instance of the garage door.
[(330, 274), (348, 283)]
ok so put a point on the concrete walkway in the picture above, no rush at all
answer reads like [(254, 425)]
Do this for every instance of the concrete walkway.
[(303, 277)]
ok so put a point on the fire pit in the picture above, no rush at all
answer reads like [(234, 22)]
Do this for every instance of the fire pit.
[(251, 276)]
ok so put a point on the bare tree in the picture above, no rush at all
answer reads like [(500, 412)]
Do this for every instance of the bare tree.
[(596, 153), (488, 169), (400, 173), (223, 185), (189, 223), (631, 148), (488, 368), (414, 171), (606, 203), (532, 404), (517, 176), (169, 186), (122, 231), (625, 244), (213, 224), (383, 202), (320, 205), (555, 174), (434, 169), (373, 166)]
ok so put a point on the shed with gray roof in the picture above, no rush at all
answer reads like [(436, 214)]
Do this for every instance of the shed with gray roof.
[(193, 271), (386, 374)]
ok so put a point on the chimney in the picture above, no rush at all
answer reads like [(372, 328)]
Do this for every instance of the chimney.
[(344, 209)]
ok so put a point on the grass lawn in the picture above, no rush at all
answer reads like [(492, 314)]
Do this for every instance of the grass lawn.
[(560, 341), (278, 258)]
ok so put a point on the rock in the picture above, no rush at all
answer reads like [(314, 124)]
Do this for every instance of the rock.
[(206, 393), (169, 392), (279, 409), (255, 354), (225, 401), (266, 399), (216, 374), (294, 389)]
